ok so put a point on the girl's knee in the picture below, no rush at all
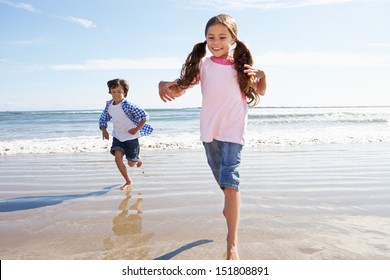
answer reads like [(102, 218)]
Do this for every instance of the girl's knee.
[(230, 190), (131, 163)]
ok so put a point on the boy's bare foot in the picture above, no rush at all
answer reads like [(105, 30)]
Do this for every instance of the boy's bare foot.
[(139, 162), (136, 206), (126, 186)]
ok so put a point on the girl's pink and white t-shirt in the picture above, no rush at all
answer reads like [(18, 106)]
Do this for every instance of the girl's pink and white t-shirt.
[(224, 111)]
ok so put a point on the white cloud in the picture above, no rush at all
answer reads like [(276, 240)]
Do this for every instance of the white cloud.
[(83, 22), (123, 64), (322, 58), (306, 58), (260, 4), (22, 6)]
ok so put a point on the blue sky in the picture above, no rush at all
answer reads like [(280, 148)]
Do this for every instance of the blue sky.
[(58, 54)]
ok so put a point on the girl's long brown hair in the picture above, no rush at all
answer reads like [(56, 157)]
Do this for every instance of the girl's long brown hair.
[(190, 70)]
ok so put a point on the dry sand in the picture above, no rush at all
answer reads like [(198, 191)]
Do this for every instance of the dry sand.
[(312, 202)]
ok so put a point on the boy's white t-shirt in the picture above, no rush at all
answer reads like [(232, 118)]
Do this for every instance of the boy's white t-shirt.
[(224, 111), (121, 123)]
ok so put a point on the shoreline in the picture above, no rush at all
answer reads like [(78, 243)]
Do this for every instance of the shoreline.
[(308, 202)]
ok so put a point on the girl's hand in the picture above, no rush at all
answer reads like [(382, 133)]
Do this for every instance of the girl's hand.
[(259, 81), (165, 91), (257, 74)]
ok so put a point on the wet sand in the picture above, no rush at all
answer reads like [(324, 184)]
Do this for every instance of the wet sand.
[(298, 203)]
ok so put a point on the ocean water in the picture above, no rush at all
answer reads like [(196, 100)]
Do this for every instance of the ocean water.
[(31, 132)]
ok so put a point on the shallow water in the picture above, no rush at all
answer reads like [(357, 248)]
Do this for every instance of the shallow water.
[(312, 202)]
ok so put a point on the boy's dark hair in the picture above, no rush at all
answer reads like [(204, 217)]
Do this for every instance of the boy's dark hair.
[(116, 83), (242, 55)]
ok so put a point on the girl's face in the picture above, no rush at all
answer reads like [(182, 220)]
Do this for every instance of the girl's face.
[(219, 40), (118, 94)]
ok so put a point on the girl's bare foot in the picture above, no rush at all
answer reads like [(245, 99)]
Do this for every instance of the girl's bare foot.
[(232, 253), (126, 186), (232, 250)]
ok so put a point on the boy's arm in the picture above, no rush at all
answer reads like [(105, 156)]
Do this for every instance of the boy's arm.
[(104, 118), (133, 131), (105, 134), (139, 117)]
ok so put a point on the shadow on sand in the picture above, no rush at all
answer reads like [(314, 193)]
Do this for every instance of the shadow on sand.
[(188, 246), (31, 202)]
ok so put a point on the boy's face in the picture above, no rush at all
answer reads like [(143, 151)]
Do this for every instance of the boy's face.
[(118, 94), (219, 40)]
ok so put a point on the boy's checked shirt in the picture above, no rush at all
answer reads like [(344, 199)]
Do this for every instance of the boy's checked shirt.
[(132, 111)]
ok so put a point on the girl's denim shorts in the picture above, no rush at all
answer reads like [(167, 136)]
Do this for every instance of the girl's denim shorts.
[(130, 148), (224, 159)]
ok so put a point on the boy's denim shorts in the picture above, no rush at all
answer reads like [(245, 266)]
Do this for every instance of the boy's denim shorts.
[(130, 148), (224, 159)]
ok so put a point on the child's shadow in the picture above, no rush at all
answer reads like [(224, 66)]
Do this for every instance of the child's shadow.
[(188, 246), (32, 202)]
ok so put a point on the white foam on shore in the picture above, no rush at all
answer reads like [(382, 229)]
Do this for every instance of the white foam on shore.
[(190, 141), (77, 131)]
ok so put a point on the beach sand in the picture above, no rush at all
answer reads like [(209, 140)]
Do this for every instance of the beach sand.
[(298, 203)]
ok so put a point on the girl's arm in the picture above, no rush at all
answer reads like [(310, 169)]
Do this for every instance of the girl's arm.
[(169, 90), (260, 83)]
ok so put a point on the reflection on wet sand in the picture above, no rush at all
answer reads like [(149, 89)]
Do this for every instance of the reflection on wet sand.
[(128, 241)]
